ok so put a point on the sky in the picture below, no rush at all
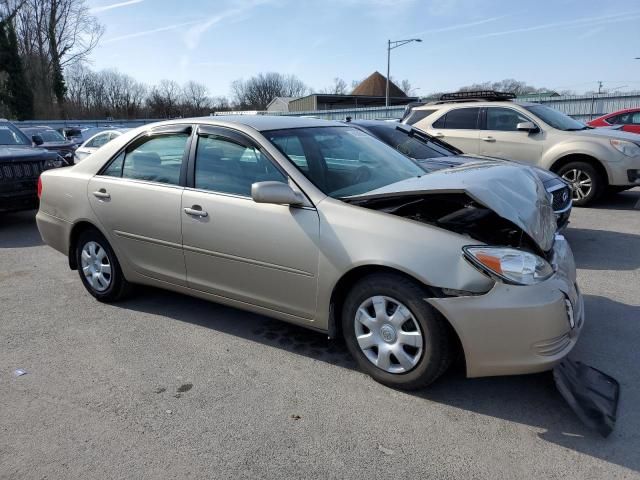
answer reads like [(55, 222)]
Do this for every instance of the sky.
[(559, 44)]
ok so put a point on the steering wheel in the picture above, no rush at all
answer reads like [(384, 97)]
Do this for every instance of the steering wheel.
[(362, 174)]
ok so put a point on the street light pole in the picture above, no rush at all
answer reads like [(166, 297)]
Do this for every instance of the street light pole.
[(391, 44)]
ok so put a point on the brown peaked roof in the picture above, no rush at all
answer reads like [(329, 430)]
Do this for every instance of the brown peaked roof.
[(375, 85)]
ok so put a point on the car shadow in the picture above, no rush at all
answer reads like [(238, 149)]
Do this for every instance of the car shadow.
[(18, 230), (627, 200), (622, 252), (527, 399)]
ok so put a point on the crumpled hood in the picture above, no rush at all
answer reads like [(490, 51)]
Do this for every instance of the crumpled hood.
[(438, 163), (512, 191)]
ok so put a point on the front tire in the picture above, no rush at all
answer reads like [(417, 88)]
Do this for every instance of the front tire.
[(586, 182), (394, 335), (99, 268)]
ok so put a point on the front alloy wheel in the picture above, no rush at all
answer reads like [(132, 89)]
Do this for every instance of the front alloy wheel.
[(581, 183), (586, 182)]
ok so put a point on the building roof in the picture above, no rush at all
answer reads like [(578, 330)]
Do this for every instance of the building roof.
[(281, 99), (375, 85)]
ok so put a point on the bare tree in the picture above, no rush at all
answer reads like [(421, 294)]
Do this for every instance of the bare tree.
[(339, 87), (195, 99), (258, 91), (164, 99), (406, 87), (54, 34), (507, 85)]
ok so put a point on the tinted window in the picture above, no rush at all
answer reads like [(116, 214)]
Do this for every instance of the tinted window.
[(412, 146), (223, 165), (460, 118), (344, 161), (635, 118), (417, 115), (158, 159), (504, 119)]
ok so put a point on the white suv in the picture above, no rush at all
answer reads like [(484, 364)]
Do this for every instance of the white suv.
[(489, 123)]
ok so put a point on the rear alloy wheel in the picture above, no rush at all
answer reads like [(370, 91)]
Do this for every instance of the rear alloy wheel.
[(393, 333), (585, 181), (99, 269)]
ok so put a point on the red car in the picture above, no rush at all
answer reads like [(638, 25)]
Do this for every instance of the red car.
[(629, 119)]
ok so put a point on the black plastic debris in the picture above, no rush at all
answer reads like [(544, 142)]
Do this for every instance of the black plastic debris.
[(592, 394)]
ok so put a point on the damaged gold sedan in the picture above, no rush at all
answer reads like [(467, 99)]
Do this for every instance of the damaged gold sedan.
[(319, 224)]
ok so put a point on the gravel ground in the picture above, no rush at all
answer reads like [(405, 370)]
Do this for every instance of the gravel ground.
[(169, 386)]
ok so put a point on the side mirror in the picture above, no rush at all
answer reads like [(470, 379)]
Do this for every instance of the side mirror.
[(527, 127), (37, 139), (275, 192)]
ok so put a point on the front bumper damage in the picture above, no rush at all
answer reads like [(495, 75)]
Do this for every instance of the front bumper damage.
[(519, 329)]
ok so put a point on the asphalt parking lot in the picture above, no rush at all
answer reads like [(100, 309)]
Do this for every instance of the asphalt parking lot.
[(164, 385)]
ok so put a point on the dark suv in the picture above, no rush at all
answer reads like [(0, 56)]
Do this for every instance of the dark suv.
[(20, 166)]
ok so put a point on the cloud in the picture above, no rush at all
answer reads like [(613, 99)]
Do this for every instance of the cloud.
[(583, 22), (459, 26), (114, 5), (149, 32)]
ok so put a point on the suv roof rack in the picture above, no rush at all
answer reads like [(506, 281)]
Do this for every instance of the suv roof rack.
[(478, 95)]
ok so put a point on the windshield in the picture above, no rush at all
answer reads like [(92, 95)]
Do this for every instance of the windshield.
[(556, 119), (343, 161), (410, 145), (10, 135)]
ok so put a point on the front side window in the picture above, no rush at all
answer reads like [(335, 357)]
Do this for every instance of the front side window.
[(459, 118), (345, 161), (156, 159), (504, 119), (223, 165)]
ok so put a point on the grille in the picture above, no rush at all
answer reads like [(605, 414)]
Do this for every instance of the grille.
[(561, 198), (21, 170)]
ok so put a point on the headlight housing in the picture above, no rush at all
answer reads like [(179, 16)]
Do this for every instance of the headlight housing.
[(509, 265), (629, 149), (55, 163)]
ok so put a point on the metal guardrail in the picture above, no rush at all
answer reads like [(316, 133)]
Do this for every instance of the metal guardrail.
[(583, 108)]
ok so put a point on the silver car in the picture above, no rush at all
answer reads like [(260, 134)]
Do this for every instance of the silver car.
[(320, 224)]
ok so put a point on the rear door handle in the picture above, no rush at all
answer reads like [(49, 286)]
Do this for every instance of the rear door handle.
[(488, 139), (102, 193), (196, 211)]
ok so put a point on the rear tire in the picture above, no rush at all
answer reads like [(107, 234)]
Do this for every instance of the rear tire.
[(407, 354), (99, 268), (586, 182)]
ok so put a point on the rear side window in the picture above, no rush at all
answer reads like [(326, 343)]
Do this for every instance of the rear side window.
[(460, 118), (157, 159), (98, 141), (416, 115)]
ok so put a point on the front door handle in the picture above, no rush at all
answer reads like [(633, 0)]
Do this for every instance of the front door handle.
[(437, 134), (102, 193), (488, 139), (196, 211)]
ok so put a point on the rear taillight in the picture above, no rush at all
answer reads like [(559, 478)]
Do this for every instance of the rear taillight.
[(39, 187)]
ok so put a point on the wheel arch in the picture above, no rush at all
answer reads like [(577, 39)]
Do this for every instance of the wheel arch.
[(76, 231), (350, 278), (581, 157)]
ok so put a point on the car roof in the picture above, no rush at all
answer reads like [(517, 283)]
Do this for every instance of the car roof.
[(269, 122), (624, 110), (373, 123), (428, 106)]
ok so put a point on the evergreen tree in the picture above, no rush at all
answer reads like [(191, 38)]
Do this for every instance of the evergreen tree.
[(16, 95)]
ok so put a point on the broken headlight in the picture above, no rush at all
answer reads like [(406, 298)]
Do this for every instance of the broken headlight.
[(509, 265)]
